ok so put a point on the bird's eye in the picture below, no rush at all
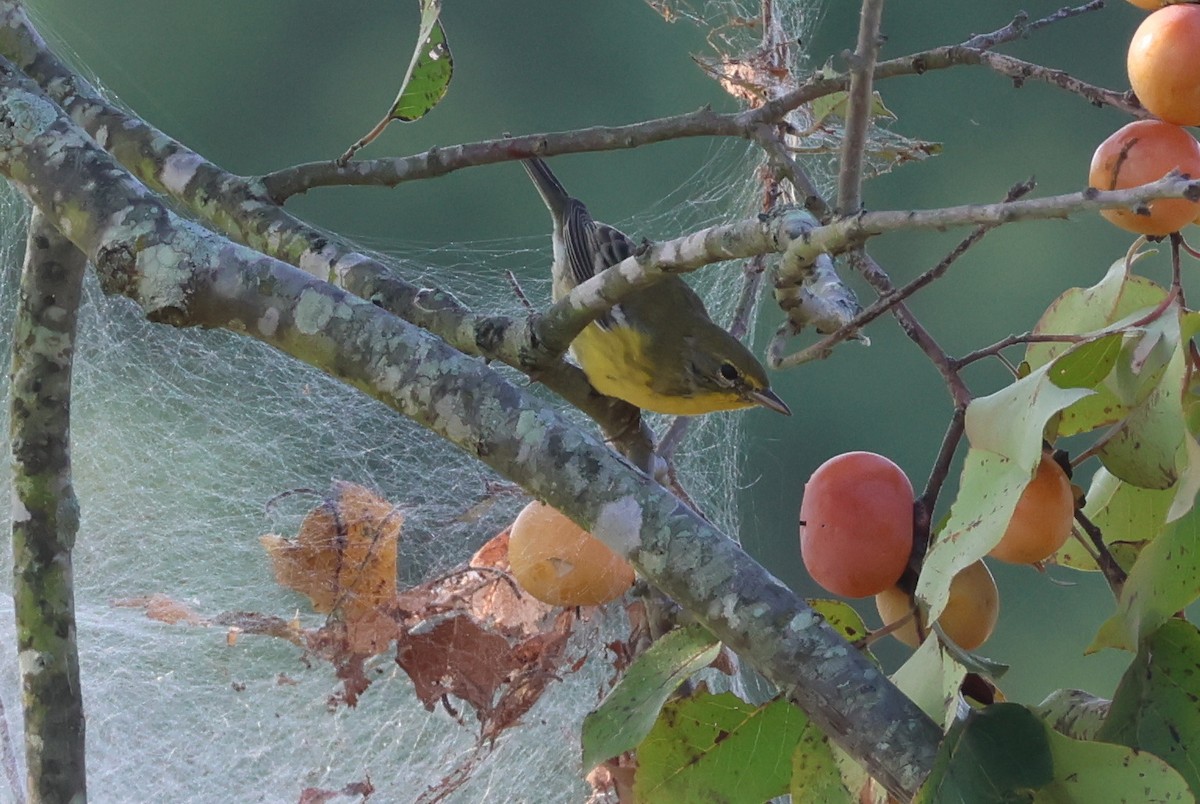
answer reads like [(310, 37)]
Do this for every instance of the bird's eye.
[(729, 371)]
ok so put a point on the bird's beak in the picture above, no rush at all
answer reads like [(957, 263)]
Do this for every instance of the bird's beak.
[(767, 399)]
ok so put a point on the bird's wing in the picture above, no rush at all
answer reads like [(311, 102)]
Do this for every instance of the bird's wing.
[(592, 247), (578, 234)]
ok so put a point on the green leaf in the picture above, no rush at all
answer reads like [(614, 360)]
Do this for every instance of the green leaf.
[(425, 81), (931, 678), (816, 772), (429, 72), (1155, 705), (1005, 431), (718, 748), (1117, 299), (1124, 513), (1001, 755), (1145, 448), (841, 616), (1007, 754), (1083, 311), (1012, 421), (1087, 364), (988, 492), (1164, 579), (1089, 772), (836, 103), (1074, 713), (628, 713)]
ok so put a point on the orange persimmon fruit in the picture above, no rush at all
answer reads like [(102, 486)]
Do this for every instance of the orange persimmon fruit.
[(1042, 521), (968, 619), (856, 524), (1139, 153), (559, 563), (1164, 63)]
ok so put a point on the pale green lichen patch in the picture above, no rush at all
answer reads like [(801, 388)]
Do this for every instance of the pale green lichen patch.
[(456, 427), (178, 171), (164, 269), (268, 322), (619, 525), (30, 662), (28, 116), (314, 310), (18, 512)]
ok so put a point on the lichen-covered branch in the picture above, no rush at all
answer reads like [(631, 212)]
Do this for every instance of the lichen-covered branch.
[(182, 274), (241, 208), (46, 515)]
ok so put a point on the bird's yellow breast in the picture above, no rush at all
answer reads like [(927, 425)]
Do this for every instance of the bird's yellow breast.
[(617, 364)]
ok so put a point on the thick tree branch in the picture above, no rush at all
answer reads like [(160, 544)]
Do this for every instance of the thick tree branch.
[(46, 514), (183, 274), (241, 208)]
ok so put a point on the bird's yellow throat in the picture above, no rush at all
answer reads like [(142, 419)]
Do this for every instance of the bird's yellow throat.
[(616, 364)]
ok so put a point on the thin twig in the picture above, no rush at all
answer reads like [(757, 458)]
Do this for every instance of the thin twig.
[(859, 106), (1064, 13), (873, 272), (1113, 573), (824, 347), (1012, 340), (520, 294), (941, 468), (286, 182)]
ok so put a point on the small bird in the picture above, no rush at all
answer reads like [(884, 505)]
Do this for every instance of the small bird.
[(658, 349)]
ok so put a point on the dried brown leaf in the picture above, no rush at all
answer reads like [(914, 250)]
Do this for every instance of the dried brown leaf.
[(344, 560), (317, 795), (456, 656), (162, 608)]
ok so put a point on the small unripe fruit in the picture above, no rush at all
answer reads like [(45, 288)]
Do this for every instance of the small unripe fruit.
[(559, 563), (856, 530), (1042, 521), (968, 619), (1141, 152)]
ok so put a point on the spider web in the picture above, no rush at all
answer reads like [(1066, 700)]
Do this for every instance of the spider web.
[(179, 440)]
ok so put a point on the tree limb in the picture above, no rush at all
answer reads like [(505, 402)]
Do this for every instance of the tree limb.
[(46, 514), (184, 275)]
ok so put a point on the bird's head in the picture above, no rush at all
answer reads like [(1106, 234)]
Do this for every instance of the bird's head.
[(720, 364)]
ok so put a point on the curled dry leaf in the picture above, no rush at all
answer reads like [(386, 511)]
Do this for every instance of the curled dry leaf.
[(344, 560)]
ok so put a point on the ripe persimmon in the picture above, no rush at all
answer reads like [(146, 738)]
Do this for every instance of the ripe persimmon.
[(1043, 518), (1164, 63), (856, 524), (968, 619), (1139, 153), (560, 563)]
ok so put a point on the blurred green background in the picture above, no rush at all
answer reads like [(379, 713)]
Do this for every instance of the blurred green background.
[(256, 86)]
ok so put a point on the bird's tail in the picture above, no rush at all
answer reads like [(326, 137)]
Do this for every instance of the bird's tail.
[(553, 193)]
